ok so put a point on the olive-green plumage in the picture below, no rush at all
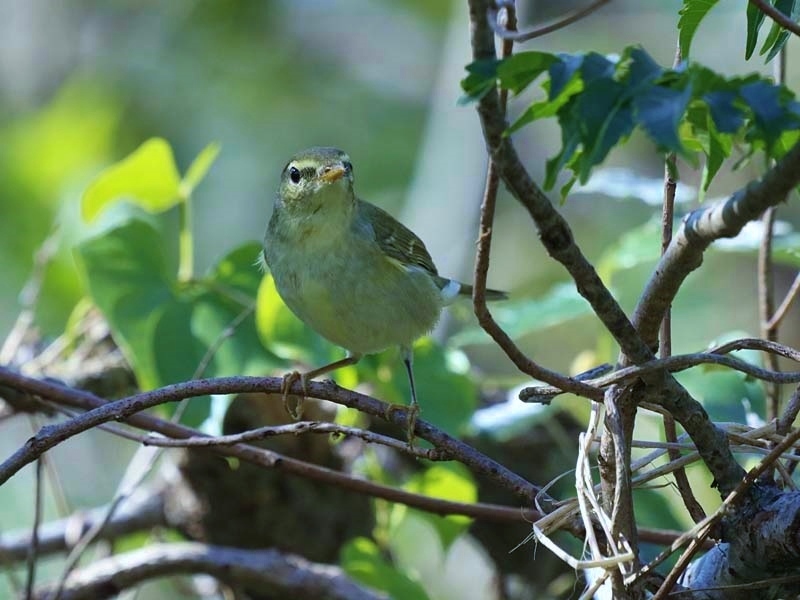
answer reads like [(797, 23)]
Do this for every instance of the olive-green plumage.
[(347, 268)]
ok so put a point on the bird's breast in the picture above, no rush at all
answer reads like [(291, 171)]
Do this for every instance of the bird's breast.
[(354, 296)]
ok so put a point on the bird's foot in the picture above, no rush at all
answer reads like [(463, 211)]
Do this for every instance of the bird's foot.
[(295, 410), (412, 412)]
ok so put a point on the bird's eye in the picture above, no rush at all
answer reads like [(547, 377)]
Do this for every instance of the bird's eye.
[(348, 166), (294, 175)]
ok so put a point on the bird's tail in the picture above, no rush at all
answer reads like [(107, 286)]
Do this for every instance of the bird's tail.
[(452, 289)]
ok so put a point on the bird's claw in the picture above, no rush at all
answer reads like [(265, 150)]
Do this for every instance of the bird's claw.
[(412, 412), (296, 411)]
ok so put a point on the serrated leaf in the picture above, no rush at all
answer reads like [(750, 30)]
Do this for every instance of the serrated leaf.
[(727, 117), (659, 111), (147, 177), (719, 148), (604, 120), (548, 108), (199, 168), (562, 72), (755, 18), (596, 67), (482, 77), (777, 36), (643, 69), (519, 70), (691, 15), (570, 141), (771, 115)]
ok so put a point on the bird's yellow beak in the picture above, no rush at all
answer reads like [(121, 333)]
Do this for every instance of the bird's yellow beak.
[(333, 174)]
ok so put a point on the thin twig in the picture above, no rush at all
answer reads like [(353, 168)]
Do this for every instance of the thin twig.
[(665, 338), (787, 302), (297, 428), (33, 550), (128, 408), (715, 355), (766, 306), (789, 413), (507, 33), (225, 334), (777, 16), (485, 318)]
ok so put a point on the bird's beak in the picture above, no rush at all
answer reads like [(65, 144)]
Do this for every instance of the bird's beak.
[(333, 174)]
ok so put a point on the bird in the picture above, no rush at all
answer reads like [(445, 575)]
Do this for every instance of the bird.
[(348, 269)]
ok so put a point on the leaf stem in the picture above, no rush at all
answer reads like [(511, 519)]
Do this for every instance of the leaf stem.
[(185, 240)]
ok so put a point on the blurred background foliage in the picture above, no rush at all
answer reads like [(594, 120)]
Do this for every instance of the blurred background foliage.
[(83, 84)]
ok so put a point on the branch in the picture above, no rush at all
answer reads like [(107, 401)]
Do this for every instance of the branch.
[(524, 36), (100, 412), (143, 510), (703, 226), (553, 229), (558, 240), (269, 571), (681, 362), (301, 427)]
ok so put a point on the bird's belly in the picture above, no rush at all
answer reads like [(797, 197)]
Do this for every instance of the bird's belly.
[(360, 305)]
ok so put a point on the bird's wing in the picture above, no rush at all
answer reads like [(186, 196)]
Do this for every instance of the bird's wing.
[(395, 239)]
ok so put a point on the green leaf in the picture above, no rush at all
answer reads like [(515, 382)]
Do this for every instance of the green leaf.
[(604, 121), (637, 246), (148, 177), (755, 18), (596, 67), (285, 334), (719, 148), (166, 330), (450, 481), (643, 69), (772, 115), (518, 318), (446, 394), (364, 561), (563, 72), (127, 277), (481, 79), (659, 111), (726, 393), (570, 142), (727, 117), (691, 14), (778, 36), (199, 168), (519, 70), (548, 108)]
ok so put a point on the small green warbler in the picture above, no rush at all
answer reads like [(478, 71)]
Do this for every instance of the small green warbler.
[(348, 269)]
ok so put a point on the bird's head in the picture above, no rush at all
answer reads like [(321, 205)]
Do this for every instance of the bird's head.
[(317, 179)]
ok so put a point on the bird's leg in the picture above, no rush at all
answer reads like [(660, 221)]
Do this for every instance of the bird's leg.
[(289, 379), (413, 410)]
